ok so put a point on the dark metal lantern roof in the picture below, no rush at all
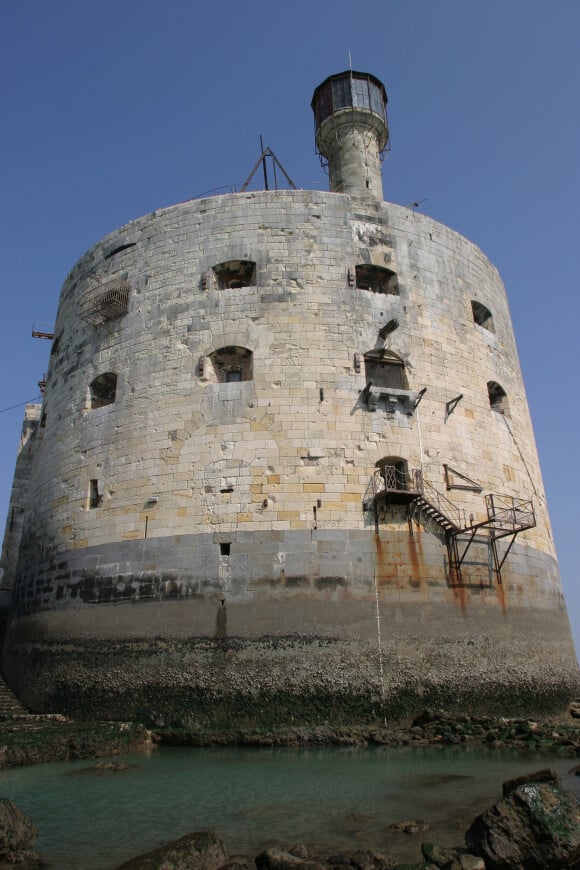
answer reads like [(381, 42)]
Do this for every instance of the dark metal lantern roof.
[(349, 89)]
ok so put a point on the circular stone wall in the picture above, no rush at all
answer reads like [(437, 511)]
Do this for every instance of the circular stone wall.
[(210, 538)]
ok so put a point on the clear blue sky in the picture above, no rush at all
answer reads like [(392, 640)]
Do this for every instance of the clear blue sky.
[(113, 109)]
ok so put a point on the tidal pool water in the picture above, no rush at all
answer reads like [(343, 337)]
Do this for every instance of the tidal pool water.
[(255, 797)]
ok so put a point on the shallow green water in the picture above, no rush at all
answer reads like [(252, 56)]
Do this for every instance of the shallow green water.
[(331, 797)]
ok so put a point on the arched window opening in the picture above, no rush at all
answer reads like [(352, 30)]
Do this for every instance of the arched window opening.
[(384, 369), (230, 365), (103, 390), (235, 274), (482, 316), (498, 400), (394, 473), (377, 279)]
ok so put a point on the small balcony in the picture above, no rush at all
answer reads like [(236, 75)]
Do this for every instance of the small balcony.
[(393, 484)]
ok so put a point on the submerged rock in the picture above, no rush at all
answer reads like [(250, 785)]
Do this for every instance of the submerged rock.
[(444, 858), (415, 826), (361, 859), (298, 858), (284, 859), (202, 850), (17, 834), (535, 826), (238, 862)]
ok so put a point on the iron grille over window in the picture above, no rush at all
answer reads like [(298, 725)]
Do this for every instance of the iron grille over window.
[(111, 302)]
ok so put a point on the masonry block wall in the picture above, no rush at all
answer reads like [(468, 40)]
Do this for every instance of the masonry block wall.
[(198, 548), (19, 499)]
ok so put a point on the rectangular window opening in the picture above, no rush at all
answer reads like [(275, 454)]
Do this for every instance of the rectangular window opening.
[(235, 274), (376, 279), (94, 497), (225, 548)]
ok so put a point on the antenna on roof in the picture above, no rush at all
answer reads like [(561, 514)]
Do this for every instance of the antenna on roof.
[(264, 163), (267, 152), (349, 62)]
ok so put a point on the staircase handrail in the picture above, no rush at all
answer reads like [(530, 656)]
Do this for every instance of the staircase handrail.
[(371, 491), (444, 505)]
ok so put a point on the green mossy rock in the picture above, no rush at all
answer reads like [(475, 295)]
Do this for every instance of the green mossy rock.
[(17, 834)]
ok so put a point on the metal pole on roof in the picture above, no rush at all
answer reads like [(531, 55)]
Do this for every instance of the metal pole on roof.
[(264, 164)]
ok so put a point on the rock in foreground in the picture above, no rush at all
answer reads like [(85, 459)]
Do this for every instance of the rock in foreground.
[(535, 826), (17, 834), (198, 851), (298, 858)]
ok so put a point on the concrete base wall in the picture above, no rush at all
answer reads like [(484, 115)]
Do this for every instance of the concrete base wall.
[(229, 643), (479, 664), (328, 564)]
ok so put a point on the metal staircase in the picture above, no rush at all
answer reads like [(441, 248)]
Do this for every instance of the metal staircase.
[(439, 508), (507, 516)]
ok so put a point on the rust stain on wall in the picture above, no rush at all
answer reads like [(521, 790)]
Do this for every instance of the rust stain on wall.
[(380, 557), (415, 551), (384, 575), (501, 597), (460, 593)]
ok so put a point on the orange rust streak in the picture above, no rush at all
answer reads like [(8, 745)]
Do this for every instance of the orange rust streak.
[(460, 594), (381, 561), (416, 560), (501, 597)]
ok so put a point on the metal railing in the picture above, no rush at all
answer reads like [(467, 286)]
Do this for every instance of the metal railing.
[(509, 512), (394, 478), (445, 507)]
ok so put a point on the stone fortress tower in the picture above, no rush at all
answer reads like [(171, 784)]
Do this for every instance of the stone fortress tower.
[(285, 469)]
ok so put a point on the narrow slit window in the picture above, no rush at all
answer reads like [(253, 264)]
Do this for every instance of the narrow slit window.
[(235, 274), (94, 496), (103, 390), (482, 316), (377, 279), (498, 400)]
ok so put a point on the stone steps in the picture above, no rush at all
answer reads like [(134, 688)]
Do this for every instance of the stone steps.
[(10, 706)]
